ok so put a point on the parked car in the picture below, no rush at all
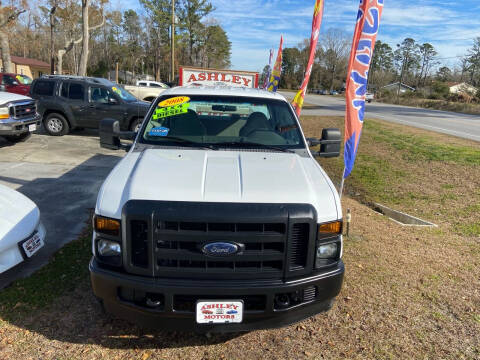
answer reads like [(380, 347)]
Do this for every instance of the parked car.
[(214, 175), (22, 234), (333, 92), (68, 102), (146, 90), (18, 116), (369, 97), (15, 83)]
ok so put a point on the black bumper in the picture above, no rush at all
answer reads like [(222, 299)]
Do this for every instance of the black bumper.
[(120, 295)]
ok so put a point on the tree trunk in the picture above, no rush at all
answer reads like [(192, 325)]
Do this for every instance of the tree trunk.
[(5, 47), (60, 61), (82, 69)]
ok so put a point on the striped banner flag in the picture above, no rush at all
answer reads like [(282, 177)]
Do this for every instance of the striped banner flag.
[(277, 70), (316, 25), (267, 78), (366, 30)]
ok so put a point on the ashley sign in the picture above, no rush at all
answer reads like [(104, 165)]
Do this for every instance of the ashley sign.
[(212, 77)]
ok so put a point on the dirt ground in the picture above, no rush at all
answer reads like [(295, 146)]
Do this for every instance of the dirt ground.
[(409, 293)]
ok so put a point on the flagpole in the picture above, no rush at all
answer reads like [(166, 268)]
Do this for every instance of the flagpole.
[(342, 183)]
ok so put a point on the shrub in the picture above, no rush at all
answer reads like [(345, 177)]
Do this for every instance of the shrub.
[(440, 90)]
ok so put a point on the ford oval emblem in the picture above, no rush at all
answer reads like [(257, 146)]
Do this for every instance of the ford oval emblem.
[(220, 249)]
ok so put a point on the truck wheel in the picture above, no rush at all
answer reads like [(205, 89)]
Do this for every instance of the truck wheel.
[(17, 138), (136, 125), (56, 125)]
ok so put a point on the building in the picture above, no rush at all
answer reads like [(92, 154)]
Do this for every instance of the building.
[(458, 88), (29, 67), (394, 88)]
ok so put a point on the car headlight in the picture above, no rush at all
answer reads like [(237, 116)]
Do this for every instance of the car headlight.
[(108, 248), (4, 112)]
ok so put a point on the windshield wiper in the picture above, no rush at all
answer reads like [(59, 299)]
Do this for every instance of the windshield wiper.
[(182, 141), (247, 144)]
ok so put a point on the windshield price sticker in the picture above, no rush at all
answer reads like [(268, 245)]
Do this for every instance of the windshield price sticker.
[(179, 100), (164, 112), (118, 91), (159, 131)]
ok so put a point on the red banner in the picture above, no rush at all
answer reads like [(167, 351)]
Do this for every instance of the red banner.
[(316, 24), (364, 38)]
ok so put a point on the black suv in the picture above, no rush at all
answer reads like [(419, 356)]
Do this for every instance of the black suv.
[(68, 102)]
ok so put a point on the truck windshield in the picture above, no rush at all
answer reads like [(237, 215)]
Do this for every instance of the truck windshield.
[(123, 94), (24, 79), (222, 121)]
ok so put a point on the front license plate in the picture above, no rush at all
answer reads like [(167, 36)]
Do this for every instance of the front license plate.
[(32, 127), (219, 312), (32, 245)]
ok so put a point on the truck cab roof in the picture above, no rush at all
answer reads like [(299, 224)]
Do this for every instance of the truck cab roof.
[(223, 91)]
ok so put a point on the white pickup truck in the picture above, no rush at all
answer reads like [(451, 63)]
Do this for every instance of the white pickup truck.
[(219, 218), (18, 116), (146, 90)]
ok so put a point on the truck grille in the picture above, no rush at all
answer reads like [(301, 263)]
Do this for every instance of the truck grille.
[(179, 244), (160, 245), (24, 110)]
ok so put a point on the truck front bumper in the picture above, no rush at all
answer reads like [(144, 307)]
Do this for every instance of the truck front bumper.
[(124, 295), (13, 126)]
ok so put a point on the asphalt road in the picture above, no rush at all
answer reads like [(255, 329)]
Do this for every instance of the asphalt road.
[(62, 175), (461, 125)]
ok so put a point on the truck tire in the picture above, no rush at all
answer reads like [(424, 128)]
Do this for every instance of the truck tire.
[(136, 124), (17, 138), (56, 125)]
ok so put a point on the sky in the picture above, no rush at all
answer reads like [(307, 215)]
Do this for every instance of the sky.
[(255, 26)]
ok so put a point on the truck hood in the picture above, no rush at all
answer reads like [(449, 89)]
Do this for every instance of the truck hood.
[(6, 97), (19, 217), (218, 176)]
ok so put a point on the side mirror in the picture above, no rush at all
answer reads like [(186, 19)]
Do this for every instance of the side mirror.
[(112, 101), (3, 88), (329, 143), (110, 135)]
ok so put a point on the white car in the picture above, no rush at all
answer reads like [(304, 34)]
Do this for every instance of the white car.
[(219, 218), (22, 233), (157, 84), (369, 97)]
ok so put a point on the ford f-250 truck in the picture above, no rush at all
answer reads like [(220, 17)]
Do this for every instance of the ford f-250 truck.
[(219, 218), (18, 116)]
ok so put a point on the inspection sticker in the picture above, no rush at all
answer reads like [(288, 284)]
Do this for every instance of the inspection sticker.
[(159, 131)]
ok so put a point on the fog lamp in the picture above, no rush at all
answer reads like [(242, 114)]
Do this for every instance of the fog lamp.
[(108, 248)]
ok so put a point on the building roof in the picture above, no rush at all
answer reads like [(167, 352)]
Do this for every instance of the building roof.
[(396, 84), (223, 91), (31, 62)]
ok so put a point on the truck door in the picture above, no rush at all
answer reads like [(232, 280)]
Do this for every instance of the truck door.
[(103, 103)]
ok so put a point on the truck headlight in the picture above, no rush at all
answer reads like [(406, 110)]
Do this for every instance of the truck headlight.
[(4, 112), (327, 254), (108, 248)]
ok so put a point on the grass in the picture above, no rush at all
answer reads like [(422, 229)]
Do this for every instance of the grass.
[(67, 268), (443, 105), (425, 174)]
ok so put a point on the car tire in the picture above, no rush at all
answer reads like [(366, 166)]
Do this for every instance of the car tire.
[(136, 124), (56, 125), (17, 138)]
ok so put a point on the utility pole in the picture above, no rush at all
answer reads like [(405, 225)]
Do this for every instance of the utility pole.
[(52, 45), (172, 51)]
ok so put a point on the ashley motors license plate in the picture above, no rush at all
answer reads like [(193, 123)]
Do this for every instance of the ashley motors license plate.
[(219, 312), (32, 127), (32, 245)]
